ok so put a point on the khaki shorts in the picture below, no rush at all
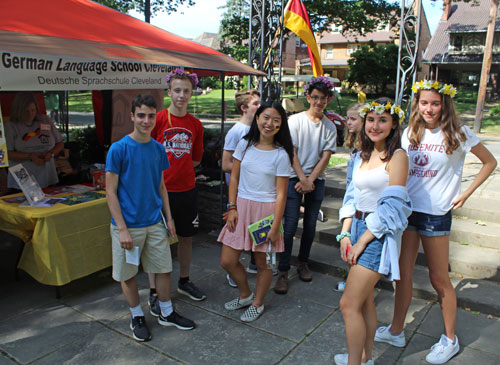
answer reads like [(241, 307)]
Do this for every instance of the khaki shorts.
[(154, 251)]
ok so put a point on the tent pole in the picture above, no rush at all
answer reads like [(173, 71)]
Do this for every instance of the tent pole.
[(223, 117), (66, 113)]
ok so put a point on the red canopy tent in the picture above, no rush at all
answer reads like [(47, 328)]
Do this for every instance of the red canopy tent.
[(82, 45)]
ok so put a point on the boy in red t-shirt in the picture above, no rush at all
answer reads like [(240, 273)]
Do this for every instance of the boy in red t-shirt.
[(182, 136)]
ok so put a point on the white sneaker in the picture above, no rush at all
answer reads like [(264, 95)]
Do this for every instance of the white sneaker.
[(384, 335), (230, 281), (238, 303), (341, 359), (442, 351)]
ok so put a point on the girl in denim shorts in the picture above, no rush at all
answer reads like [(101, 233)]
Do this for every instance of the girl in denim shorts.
[(372, 223), (436, 144)]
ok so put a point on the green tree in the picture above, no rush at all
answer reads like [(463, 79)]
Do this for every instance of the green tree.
[(353, 16), (234, 29), (375, 66), (168, 6)]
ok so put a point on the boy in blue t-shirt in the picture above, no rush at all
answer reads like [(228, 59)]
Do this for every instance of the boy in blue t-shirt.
[(136, 197)]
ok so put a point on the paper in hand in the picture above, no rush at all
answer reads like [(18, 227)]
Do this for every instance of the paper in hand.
[(132, 256)]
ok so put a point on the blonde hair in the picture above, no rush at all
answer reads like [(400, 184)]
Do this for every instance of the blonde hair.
[(243, 97), (449, 123), (19, 107), (351, 140)]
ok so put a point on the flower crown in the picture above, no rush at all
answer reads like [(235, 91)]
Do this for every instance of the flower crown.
[(181, 72), (324, 79), (380, 108), (445, 89)]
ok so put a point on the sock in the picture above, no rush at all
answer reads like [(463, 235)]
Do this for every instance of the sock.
[(166, 308), (152, 291), (183, 281), (137, 311)]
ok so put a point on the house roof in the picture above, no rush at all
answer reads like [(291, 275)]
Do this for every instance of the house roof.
[(380, 36), (464, 17)]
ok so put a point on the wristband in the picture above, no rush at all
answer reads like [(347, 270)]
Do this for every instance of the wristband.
[(342, 235), (231, 205), (231, 208)]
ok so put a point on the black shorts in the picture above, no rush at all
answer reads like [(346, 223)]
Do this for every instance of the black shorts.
[(184, 209)]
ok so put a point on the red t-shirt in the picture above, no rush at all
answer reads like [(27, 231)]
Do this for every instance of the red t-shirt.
[(183, 142)]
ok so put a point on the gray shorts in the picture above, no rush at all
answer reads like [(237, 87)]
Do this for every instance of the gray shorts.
[(154, 251)]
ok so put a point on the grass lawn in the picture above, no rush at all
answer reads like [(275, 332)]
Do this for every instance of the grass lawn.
[(210, 105)]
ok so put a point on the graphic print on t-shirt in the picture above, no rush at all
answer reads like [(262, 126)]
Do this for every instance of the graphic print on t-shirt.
[(29, 135), (421, 157), (178, 141)]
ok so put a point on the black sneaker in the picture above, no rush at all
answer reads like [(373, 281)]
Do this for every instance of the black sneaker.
[(190, 290), (139, 329), (175, 319), (154, 305)]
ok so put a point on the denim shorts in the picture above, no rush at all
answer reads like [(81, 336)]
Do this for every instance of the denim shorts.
[(430, 225), (370, 257)]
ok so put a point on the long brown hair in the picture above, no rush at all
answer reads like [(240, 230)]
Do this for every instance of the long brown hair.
[(392, 142), (351, 140), (449, 123)]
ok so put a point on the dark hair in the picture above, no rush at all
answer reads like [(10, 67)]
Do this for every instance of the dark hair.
[(320, 86), (282, 138), (243, 97), (143, 99), (392, 142)]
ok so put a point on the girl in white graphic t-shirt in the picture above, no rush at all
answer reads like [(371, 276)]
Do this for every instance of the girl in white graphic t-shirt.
[(258, 188), (436, 144)]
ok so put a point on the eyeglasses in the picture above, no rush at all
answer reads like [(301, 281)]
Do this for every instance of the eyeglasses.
[(319, 98)]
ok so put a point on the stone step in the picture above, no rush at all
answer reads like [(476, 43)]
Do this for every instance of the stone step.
[(484, 209), (331, 206), (472, 261), (468, 231), (472, 294), (466, 259)]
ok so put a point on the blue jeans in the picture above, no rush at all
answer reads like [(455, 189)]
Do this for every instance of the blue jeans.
[(312, 204)]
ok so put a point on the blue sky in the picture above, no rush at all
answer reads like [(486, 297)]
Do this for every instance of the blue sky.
[(204, 16)]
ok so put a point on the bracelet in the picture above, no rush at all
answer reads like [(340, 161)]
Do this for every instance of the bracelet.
[(231, 208), (342, 235), (231, 205)]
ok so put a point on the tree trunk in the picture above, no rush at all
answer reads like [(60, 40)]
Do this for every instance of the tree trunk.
[(147, 11)]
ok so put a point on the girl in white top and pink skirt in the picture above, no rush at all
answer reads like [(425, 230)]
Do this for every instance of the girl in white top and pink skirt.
[(257, 189), (436, 144)]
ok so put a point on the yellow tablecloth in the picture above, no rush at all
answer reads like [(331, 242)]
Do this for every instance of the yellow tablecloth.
[(62, 242)]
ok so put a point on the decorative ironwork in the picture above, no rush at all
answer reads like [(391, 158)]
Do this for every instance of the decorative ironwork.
[(408, 47), (265, 44)]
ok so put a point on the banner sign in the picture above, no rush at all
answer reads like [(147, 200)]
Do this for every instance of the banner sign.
[(4, 161), (19, 71)]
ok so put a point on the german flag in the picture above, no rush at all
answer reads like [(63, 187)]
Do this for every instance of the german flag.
[(297, 20)]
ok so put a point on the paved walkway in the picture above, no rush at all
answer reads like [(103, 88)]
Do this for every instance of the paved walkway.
[(89, 324)]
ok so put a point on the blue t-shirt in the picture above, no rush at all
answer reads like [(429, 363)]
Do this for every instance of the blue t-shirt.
[(140, 169)]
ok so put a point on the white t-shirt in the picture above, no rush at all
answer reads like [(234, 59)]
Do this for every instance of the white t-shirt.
[(259, 170), (311, 139), (434, 178), (233, 137)]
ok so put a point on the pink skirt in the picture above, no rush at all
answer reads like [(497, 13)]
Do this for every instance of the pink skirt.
[(249, 212)]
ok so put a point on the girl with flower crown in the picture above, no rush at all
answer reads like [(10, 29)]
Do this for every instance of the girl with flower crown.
[(373, 220), (436, 144)]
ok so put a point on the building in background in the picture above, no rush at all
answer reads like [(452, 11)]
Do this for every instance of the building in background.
[(455, 52)]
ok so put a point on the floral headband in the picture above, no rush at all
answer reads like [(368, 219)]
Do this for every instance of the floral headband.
[(181, 72), (445, 89), (323, 79), (380, 108)]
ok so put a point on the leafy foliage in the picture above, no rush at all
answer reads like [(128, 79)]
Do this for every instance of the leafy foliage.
[(374, 65), (234, 29), (168, 6), (359, 17), (495, 111)]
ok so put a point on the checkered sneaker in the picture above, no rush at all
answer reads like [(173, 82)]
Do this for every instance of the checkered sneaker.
[(252, 313), (238, 303)]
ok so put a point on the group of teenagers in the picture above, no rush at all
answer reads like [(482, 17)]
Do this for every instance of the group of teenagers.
[(401, 189)]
